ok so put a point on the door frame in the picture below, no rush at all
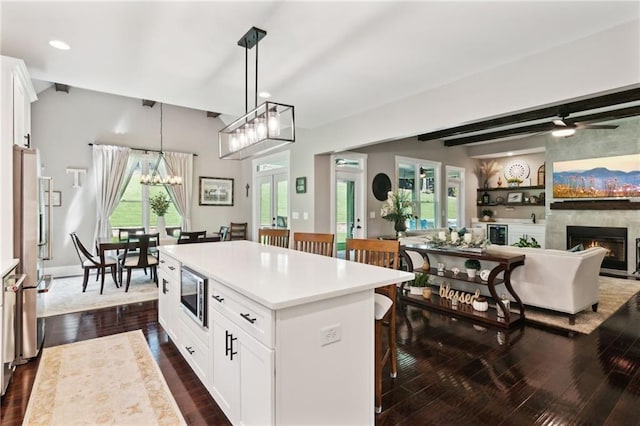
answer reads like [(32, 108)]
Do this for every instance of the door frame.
[(361, 195)]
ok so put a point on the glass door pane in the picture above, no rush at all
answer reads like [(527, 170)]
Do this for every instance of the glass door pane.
[(453, 203), (266, 198), (428, 206), (345, 211), (281, 200)]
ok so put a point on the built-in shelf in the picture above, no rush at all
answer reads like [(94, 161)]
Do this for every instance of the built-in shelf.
[(510, 204), (596, 205), (511, 188)]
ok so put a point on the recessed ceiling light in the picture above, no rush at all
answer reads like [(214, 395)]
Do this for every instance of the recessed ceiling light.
[(264, 95), (509, 154), (59, 44)]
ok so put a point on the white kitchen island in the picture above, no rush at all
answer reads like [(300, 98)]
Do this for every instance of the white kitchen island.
[(289, 335)]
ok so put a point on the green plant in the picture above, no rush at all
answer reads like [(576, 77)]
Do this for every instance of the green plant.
[(159, 203), (487, 212), (514, 180), (472, 264), (524, 242), (421, 280), (397, 207)]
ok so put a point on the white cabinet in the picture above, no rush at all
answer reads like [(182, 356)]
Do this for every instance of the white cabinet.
[(243, 373), (15, 123), (169, 295), (193, 343)]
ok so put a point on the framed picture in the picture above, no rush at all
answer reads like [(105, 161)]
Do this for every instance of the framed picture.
[(301, 185), (514, 197), (216, 191), (56, 198)]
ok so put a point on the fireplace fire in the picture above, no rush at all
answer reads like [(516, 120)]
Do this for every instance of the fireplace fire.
[(614, 240)]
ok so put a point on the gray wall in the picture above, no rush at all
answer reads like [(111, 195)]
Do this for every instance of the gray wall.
[(62, 126)]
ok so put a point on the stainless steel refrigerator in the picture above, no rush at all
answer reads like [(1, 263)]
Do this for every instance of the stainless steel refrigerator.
[(32, 245)]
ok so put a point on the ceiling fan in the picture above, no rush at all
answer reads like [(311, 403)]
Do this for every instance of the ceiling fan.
[(564, 127)]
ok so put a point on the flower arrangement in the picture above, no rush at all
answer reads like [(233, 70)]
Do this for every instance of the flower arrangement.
[(159, 203), (486, 170), (398, 206)]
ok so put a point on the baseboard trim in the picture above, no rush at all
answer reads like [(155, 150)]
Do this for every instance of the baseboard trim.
[(63, 271)]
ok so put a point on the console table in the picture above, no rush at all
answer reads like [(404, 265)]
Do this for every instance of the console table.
[(505, 263)]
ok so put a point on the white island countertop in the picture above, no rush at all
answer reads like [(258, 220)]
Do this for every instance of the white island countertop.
[(279, 278)]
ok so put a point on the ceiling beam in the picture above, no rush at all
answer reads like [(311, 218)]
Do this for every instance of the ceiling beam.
[(543, 127), (560, 110)]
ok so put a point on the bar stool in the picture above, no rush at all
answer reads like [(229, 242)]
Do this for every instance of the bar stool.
[(384, 253), (274, 237), (314, 243)]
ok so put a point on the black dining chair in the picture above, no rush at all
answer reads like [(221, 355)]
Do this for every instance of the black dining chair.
[(186, 237), (88, 262), (145, 245)]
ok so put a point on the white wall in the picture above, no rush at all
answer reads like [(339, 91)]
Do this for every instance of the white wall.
[(63, 125)]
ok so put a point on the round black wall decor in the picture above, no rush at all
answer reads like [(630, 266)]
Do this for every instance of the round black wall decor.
[(381, 186)]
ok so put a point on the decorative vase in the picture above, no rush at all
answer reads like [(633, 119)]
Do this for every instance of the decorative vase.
[(161, 226), (471, 273), (426, 292), (480, 304), (400, 225), (415, 290), (499, 182)]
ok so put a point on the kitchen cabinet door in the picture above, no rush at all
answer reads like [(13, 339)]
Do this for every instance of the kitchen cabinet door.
[(243, 374)]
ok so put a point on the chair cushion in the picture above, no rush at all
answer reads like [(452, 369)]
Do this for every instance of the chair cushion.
[(108, 261), (133, 261), (382, 305)]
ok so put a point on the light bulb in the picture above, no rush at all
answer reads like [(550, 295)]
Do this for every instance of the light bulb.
[(242, 138), (250, 131), (273, 121), (261, 128), (558, 133)]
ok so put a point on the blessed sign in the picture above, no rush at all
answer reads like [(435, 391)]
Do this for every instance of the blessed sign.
[(447, 293)]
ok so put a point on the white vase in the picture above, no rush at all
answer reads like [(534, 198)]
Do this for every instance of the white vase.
[(161, 226), (471, 273)]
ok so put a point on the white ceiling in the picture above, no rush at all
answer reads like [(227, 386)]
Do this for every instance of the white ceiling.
[(329, 59)]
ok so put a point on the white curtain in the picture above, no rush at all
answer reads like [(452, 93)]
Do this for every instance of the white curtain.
[(181, 164), (113, 168)]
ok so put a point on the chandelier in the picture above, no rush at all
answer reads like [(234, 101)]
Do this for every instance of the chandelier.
[(154, 178), (262, 129)]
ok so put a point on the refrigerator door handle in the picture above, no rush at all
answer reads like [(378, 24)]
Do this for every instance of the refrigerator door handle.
[(46, 238)]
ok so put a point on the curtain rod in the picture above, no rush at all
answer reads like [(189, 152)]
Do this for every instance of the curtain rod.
[(145, 150)]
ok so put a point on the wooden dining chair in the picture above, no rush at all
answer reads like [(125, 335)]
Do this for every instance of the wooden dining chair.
[(274, 237), (186, 237), (314, 243), (384, 253), (238, 231), (144, 246), (88, 262)]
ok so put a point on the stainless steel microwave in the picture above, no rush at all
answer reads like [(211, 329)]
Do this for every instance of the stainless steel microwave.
[(193, 295)]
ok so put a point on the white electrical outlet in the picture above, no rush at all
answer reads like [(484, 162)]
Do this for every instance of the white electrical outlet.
[(330, 334), (295, 215)]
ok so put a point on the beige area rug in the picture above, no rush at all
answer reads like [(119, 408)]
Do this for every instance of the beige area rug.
[(613, 293), (109, 380), (66, 296)]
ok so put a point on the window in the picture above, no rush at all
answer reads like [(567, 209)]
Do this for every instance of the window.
[(420, 179), (133, 209), (455, 197)]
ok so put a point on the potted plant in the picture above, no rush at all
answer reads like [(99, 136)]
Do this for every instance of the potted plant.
[(397, 209), (159, 204), (472, 266), (487, 215), (420, 282), (514, 182)]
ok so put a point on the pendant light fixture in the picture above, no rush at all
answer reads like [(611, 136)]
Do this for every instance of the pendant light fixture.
[(262, 129), (154, 178)]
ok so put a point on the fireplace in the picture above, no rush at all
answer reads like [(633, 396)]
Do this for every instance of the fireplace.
[(614, 240)]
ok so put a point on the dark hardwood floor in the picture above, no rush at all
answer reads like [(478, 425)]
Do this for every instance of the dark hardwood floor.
[(449, 371)]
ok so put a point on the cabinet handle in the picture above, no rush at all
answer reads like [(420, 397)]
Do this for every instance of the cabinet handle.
[(172, 268), (248, 318), (218, 298), (162, 261), (232, 353), (165, 290), (190, 350), (226, 342)]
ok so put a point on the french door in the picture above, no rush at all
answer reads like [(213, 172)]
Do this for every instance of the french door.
[(273, 206), (348, 199)]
